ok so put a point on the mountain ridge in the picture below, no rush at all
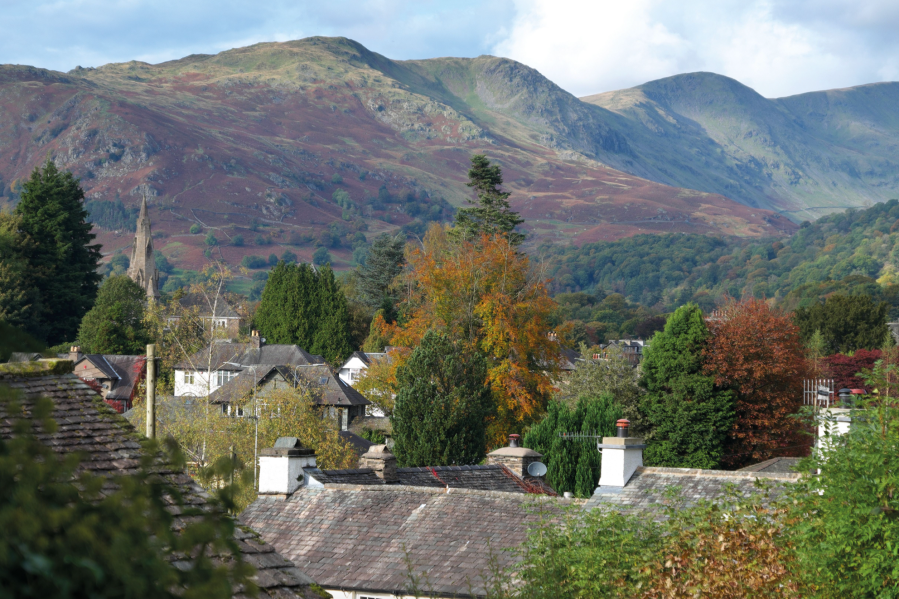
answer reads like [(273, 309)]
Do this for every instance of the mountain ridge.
[(321, 141)]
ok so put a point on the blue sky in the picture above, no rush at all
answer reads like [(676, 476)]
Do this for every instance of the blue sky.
[(778, 47)]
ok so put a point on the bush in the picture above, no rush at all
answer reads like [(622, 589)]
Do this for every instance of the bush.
[(195, 228), (253, 262), (211, 240), (237, 241), (321, 256), (272, 259), (289, 257), (262, 240), (336, 179), (260, 275)]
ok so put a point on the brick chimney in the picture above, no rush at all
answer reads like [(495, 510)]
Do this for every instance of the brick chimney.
[(75, 353), (621, 456), (379, 459), (515, 458), (281, 466), (256, 340)]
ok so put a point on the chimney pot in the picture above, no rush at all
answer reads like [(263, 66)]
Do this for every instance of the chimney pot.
[(513, 440), (623, 425)]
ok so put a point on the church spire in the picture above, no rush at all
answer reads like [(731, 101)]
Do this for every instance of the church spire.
[(143, 262)]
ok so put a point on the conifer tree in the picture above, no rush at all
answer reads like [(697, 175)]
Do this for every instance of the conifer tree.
[(63, 262), (115, 325), (492, 215), (439, 417), (383, 263), (688, 416), (332, 335), (307, 308)]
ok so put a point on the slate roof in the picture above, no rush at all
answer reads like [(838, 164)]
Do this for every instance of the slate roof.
[(493, 477), (774, 465), (360, 444), (205, 307), (21, 356), (122, 370), (332, 390), (329, 388), (110, 446), (233, 356), (360, 537), (646, 488), (366, 357)]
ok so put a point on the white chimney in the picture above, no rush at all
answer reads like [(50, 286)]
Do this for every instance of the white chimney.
[(281, 467), (621, 456)]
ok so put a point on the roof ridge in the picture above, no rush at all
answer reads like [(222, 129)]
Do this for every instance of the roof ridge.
[(717, 473), (434, 491)]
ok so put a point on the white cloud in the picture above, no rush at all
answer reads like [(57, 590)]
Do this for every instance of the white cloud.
[(778, 47)]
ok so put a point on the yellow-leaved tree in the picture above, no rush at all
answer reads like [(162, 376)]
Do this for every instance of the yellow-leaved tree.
[(483, 293)]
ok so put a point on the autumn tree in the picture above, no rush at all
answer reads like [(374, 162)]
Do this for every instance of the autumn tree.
[(688, 415), (756, 352), (483, 294), (847, 371), (491, 215)]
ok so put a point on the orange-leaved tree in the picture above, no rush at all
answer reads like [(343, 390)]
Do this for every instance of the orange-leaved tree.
[(483, 293), (756, 351)]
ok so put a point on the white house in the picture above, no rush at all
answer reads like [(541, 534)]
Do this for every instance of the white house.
[(213, 367), (356, 365)]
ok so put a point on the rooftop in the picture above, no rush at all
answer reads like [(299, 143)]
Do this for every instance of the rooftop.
[(365, 537), (110, 446)]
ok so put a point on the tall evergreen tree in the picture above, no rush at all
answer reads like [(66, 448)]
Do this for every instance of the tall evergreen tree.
[(574, 465), (846, 322), (305, 307), (439, 417), (115, 325), (383, 263), (63, 262), (332, 334), (688, 416), (19, 298), (492, 214)]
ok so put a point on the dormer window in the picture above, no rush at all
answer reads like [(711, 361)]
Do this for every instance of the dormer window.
[(223, 376)]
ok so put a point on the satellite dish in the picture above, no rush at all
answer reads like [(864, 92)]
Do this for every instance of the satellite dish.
[(537, 469)]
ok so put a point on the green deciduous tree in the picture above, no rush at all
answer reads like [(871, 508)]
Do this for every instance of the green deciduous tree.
[(305, 307), (845, 522), (847, 322), (440, 413), (115, 325), (63, 262), (383, 263), (688, 416), (492, 214)]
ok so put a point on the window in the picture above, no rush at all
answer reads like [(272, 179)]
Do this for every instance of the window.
[(223, 376), (188, 378), (322, 380), (228, 410)]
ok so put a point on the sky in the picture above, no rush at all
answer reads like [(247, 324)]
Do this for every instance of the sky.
[(777, 47)]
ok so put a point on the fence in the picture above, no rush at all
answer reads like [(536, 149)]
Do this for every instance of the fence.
[(818, 393)]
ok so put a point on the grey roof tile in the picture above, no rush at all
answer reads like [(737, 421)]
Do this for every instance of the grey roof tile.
[(109, 445)]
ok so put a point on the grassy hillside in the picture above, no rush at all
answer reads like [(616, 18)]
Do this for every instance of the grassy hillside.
[(856, 251), (804, 156)]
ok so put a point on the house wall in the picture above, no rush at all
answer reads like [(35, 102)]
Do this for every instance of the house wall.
[(199, 387), (353, 366), (86, 370)]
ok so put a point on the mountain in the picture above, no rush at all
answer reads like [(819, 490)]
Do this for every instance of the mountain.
[(803, 156), (320, 141)]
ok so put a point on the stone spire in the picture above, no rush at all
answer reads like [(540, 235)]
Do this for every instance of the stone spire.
[(143, 263)]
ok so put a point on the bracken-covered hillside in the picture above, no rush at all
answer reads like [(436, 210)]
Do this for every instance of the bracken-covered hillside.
[(320, 141)]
